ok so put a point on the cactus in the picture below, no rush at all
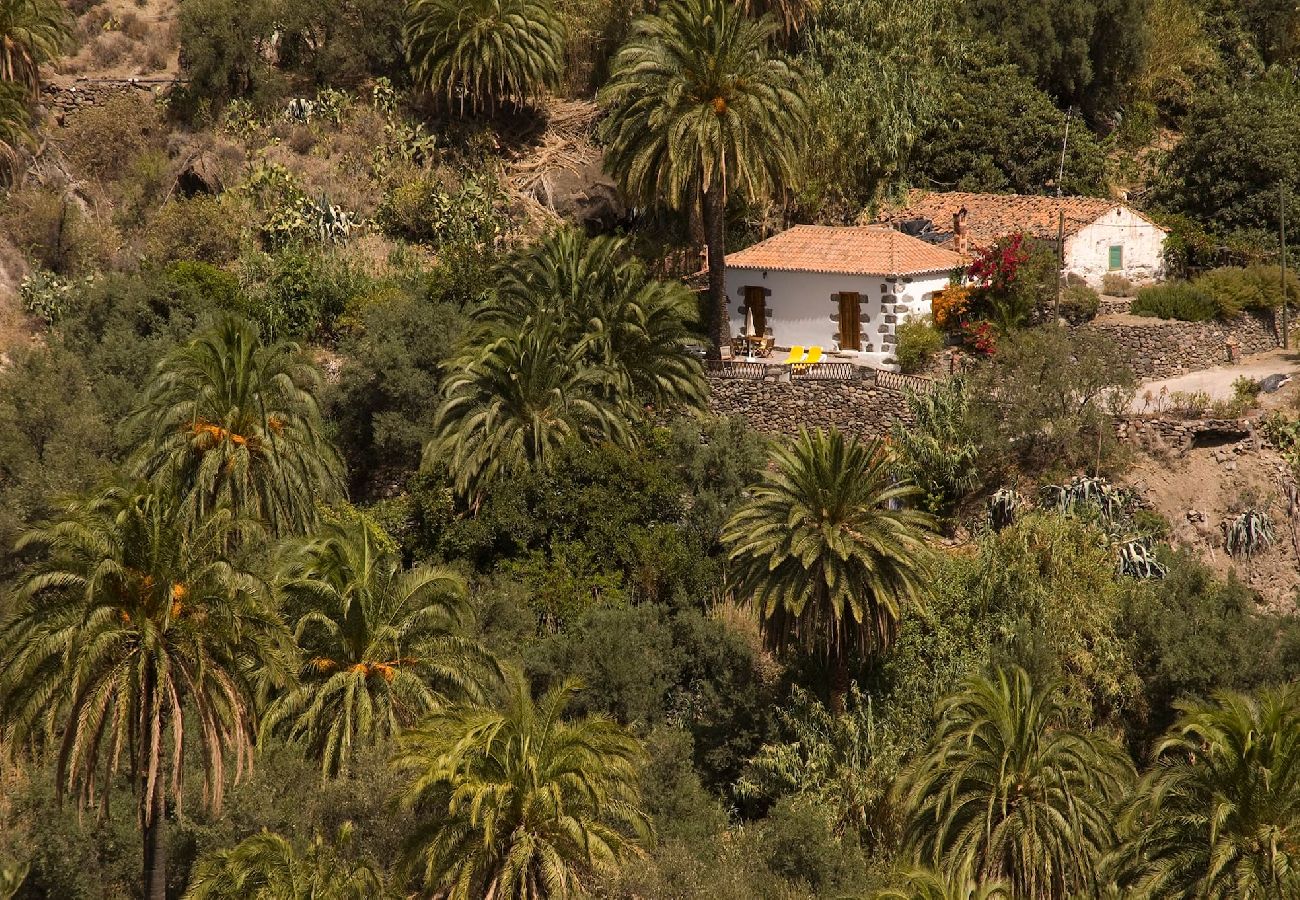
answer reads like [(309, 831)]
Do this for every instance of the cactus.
[(1249, 533), (1003, 507), (332, 104)]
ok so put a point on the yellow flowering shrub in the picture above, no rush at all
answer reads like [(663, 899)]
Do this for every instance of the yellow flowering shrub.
[(950, 305)]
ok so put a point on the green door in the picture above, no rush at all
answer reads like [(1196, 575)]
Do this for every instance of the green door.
[(1116, 258)]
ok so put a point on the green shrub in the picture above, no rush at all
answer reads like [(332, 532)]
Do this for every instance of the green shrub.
[(1079, 304), (428, 210), (1192, 634), (199, 228), (201, 287), (939, 451), (296, 292), (918, 341), (1236, 289), (1245, 390), (1175, 300)]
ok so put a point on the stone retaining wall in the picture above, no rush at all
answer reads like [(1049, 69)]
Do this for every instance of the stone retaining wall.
[(858, 407), (1162, 348), (60, 101), (1177, 436), (1114, 306)]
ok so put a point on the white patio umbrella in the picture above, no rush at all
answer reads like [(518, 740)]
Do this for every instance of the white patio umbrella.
[(749, 334)]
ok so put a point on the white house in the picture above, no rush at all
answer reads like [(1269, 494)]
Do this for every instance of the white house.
[(1101, 237), (843, 289)]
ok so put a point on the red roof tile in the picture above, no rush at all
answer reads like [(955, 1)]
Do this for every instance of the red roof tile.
[(991, 216), (862, 250)]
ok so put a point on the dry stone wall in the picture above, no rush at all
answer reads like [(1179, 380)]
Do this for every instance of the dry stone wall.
[(1177, 436), (1163, 348), (60, 101), (859, 407)]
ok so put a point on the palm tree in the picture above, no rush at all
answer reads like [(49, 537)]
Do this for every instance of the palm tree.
[(790, 15), (14, 131), (1005, 792), (822, 554), (1218, 815), (381, 646), (515, 402), (231, 422), (134, 636), (32, 33), (267, 866), (700, 107), (598, 293), (484, 51), (514, 802), (927, 884)]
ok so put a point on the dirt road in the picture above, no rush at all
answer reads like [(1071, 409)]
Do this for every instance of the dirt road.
[(1217, 382)]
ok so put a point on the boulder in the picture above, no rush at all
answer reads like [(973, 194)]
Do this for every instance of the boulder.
[(584, 195), (201, 175)]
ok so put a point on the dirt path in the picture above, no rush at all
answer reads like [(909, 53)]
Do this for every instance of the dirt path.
[(1217, 382)]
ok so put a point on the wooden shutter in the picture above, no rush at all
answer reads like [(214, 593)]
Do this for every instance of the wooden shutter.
[(756, 302), (850, 321), (1116, 258)]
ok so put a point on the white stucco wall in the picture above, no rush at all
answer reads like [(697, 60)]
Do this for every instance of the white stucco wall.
[(1087, 252), (803, 307)]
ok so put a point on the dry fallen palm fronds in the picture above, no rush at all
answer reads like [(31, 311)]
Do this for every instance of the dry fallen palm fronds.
[(565, 145)]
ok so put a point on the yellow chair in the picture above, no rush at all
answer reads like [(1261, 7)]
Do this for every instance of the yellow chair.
[(796, 355), (814, 356)]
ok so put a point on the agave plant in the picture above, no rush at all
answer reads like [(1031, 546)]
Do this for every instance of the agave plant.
[(1084, 492), (1249, 533), (1137, 561), (1003, 507), (300, 110), (334, 224)]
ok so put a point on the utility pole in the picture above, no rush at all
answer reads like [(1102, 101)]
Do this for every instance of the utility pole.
[(1281, 209), (1065, 144), (1060, 258)]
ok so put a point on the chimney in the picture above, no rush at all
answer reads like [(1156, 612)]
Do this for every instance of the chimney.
[(959, 242)]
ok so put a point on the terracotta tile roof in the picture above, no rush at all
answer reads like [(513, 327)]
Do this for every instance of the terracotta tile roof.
[(991, 216), (860, 250)]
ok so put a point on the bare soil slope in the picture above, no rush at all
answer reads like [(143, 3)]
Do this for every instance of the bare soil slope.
[(1203, 489)]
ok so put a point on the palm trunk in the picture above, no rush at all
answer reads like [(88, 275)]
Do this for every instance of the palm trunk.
[(839, 685), (153, 803), (155, 845), (715, 238)]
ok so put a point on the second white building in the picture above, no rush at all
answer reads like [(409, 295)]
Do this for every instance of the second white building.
[(844, 289)]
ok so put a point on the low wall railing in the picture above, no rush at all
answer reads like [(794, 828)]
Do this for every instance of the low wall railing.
[(734, 368), (756, 371), (899, 382), (826, 371)]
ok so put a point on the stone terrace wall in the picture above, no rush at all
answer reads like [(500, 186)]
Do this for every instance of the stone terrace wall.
[(60, 100), (858, 407), (1177, 436), (1162, 348)]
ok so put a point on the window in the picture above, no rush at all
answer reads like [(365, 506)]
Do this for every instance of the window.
[(1116, 257)]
